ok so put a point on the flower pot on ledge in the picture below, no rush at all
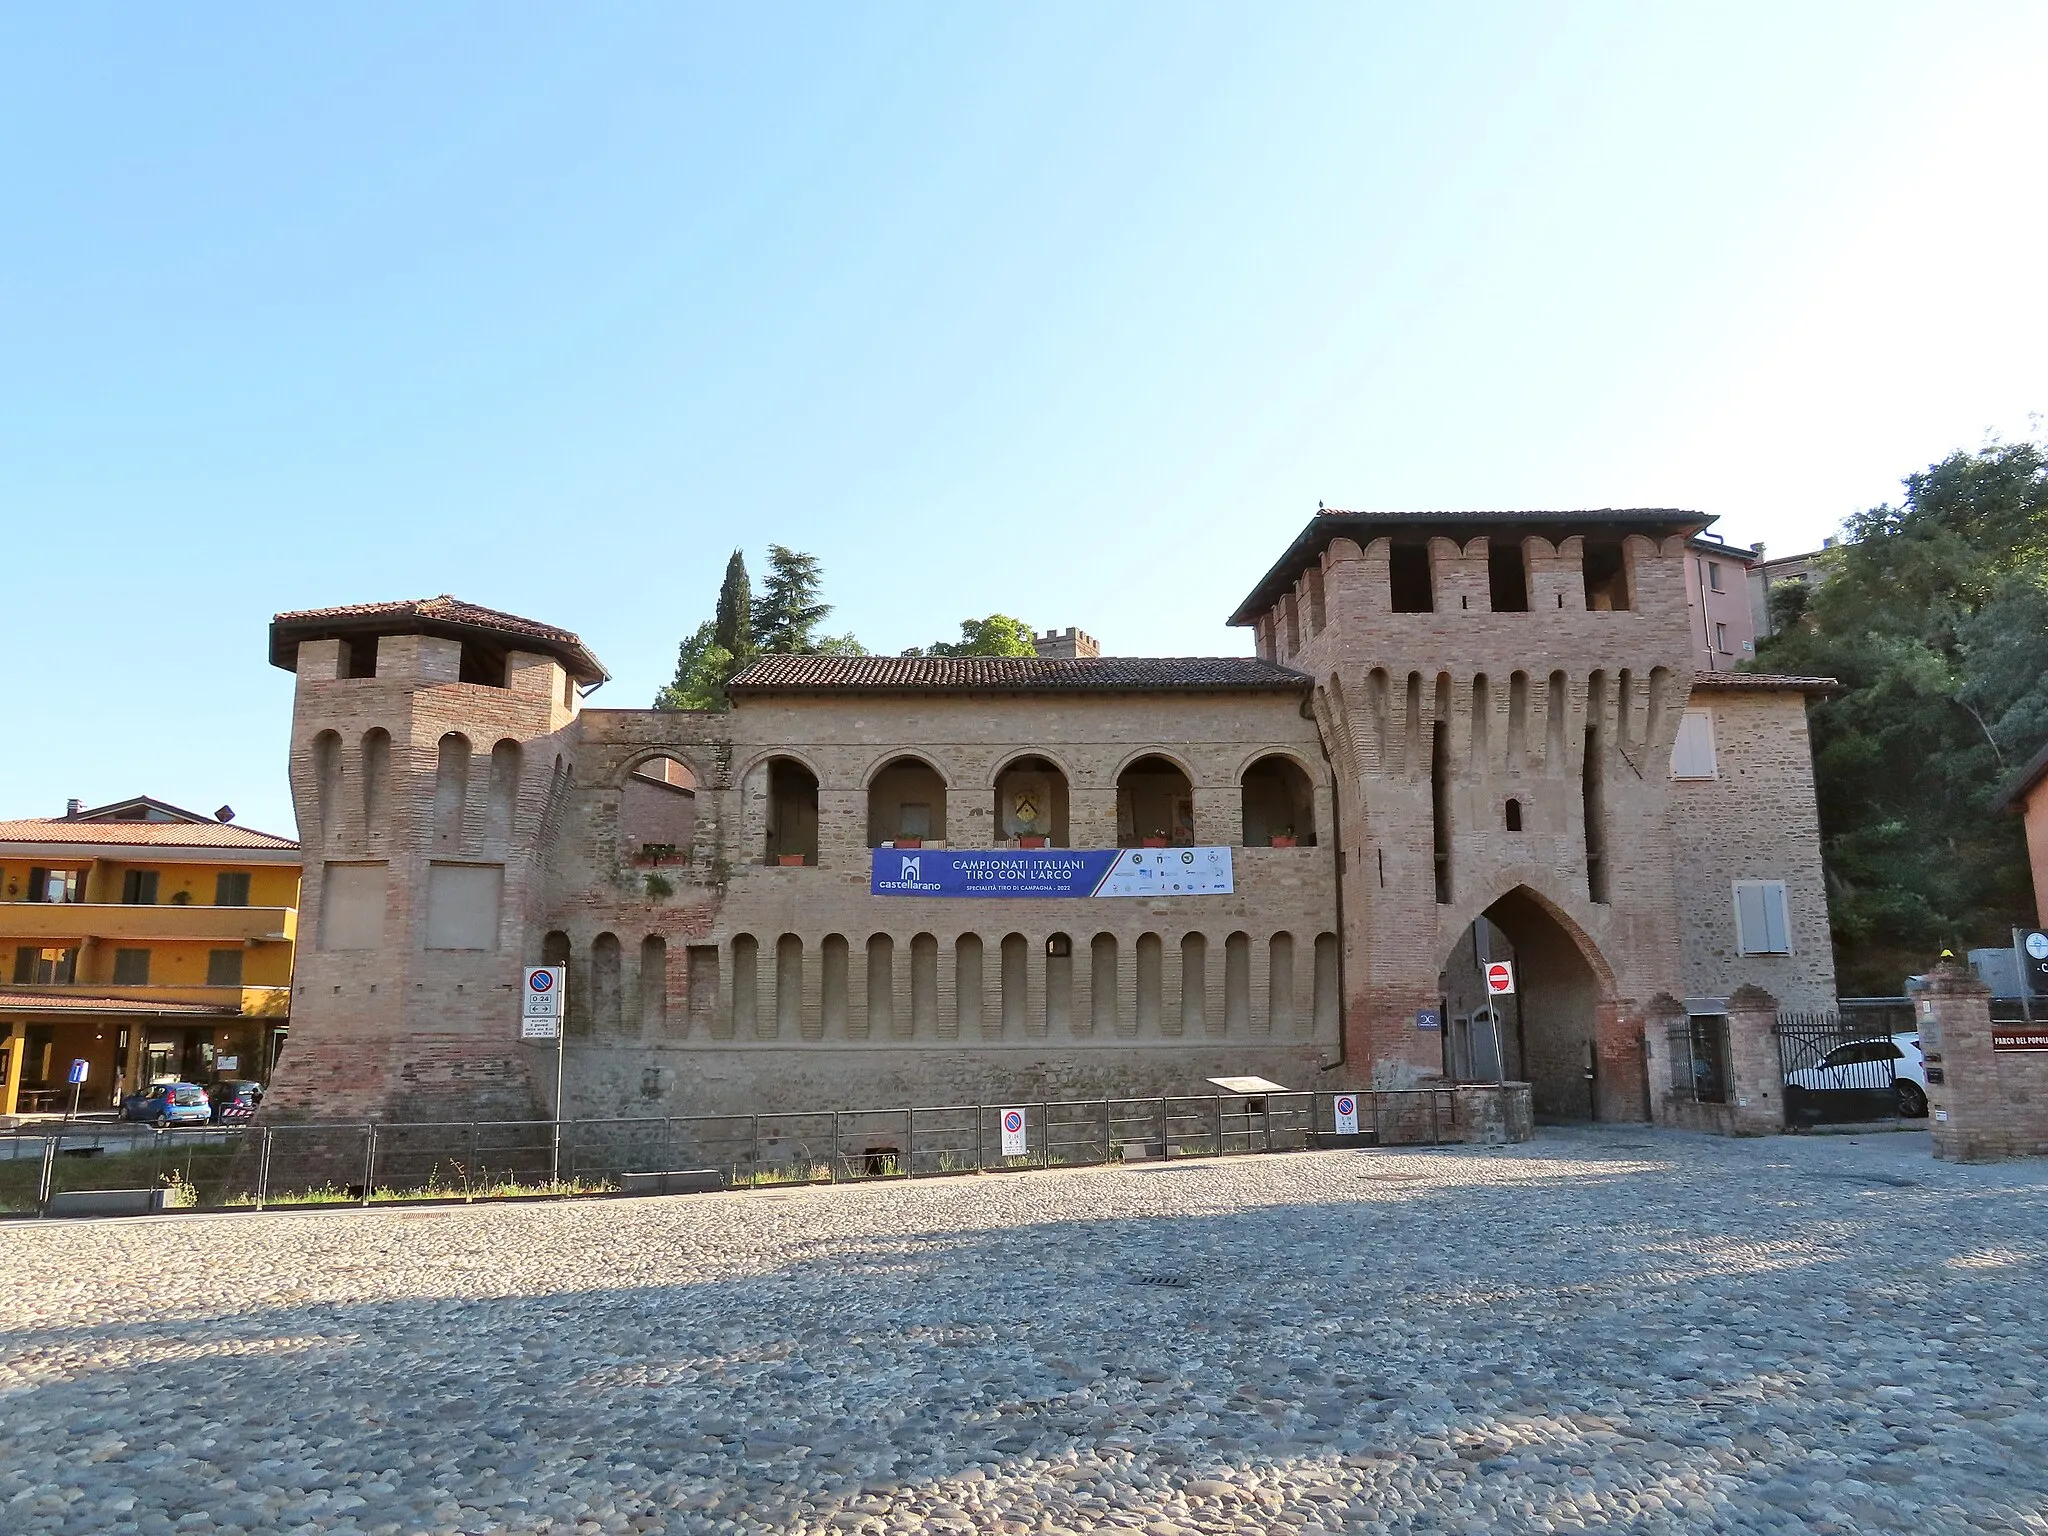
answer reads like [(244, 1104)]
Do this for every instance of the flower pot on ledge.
[(1154, 842), (790, 860), (1032, 840), (908, 842), (1283, 842)]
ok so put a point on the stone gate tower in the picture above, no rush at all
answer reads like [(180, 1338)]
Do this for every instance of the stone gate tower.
[(427, 763), (1498, 694)]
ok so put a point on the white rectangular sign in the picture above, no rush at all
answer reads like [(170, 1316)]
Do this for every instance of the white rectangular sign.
[(1347, 1114), (1500, 978), (538, 1029), (541, 992), (1016, 1142)]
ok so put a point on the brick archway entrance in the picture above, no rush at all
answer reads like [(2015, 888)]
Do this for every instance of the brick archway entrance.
[(1547, 1032)]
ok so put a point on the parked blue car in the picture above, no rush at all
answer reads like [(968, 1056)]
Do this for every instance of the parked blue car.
[(169, 1104)]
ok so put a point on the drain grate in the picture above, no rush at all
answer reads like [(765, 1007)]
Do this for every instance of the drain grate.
[(1164, 1282)]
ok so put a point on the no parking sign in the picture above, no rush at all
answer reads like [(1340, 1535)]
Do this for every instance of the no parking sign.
[(1347, 1114), (1015, 1141)]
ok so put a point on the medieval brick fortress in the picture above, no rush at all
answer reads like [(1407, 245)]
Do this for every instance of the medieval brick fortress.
[(1463, 735)]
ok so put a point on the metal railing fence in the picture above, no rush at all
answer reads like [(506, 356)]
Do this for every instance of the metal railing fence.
[(298, 1165)]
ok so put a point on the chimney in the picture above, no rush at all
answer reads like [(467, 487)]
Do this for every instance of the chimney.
[(1065, 645), (72, 808)]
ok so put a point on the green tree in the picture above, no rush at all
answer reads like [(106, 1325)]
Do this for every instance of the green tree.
[(702, 669), (1931, 617), (996, 635), (733, 628), (789, 609)]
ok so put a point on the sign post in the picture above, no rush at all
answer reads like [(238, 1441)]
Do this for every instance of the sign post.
[(541, 996), (79, 1069), (2030, 948)]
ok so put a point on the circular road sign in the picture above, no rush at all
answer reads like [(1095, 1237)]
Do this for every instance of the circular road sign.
[(1013, 1122)]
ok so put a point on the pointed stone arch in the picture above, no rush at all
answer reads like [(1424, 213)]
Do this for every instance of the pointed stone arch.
[(1557, 1027)]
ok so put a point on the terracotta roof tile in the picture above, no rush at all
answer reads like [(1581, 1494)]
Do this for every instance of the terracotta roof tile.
[(1016, 674), (444, 615), (1762, 682), (142, 834)]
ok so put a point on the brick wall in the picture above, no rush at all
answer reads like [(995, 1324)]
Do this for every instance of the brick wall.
[(1987, 1088), (752, 981)]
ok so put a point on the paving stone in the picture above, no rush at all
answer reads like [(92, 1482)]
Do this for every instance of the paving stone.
[(1641, 1331)]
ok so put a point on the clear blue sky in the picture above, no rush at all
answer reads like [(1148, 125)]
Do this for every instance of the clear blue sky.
[(1071, 312)]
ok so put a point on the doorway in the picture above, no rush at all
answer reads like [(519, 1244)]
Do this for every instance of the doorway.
[(1548, 1027)]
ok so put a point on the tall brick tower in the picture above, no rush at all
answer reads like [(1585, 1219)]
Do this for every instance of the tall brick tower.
[(427, 768), (1498, 694)]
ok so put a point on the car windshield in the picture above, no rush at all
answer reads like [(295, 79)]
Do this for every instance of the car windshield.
[(185, 1094)]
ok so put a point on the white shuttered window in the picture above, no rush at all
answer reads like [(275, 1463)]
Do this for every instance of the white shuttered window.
[(1761, 927), (1692, 755)]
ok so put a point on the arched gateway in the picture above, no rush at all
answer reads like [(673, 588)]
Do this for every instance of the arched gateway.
[(1546, 1030)]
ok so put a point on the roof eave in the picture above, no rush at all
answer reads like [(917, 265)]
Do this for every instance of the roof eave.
[(287, 632), (2021, 787)]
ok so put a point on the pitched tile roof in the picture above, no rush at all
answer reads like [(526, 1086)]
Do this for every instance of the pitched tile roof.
[(446, 616), (17, 1001), (1015, 674), (140, 834), (1762, 682), (1336, 523)]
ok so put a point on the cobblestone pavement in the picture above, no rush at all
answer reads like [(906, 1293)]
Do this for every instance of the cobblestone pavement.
[(1614, 1330)]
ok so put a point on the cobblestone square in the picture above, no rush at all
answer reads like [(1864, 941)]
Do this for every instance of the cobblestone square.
[(1614, 1329)]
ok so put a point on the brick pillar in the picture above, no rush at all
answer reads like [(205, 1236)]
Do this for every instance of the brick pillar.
[(1753, 1063), (1988, 1104), (1662, 1016)]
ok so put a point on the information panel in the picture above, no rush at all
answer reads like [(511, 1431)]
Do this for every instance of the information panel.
[(1152, 872)]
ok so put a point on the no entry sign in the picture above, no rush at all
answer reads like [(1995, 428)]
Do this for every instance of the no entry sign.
[(1500, 978)]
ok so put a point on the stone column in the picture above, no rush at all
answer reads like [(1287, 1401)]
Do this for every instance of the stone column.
[(1758, 1079)]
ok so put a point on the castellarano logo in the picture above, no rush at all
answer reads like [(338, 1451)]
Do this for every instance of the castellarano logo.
[(910, 873)]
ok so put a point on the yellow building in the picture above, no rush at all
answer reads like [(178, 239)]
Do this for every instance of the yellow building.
[(147, 942)]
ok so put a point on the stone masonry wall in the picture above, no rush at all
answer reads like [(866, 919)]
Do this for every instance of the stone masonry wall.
[(1755, 820)]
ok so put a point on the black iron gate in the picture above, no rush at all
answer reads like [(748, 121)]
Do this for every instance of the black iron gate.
[(1854, 1064)]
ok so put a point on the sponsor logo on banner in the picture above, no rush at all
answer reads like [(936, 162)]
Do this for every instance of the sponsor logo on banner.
[(1143, 872)]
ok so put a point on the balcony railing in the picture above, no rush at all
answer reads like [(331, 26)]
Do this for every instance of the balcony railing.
[(75, 921)]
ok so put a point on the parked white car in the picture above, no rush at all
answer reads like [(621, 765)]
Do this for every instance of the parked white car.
[(1887, 1071)]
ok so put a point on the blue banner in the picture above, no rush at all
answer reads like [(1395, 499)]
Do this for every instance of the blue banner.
[(1050, 872)]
